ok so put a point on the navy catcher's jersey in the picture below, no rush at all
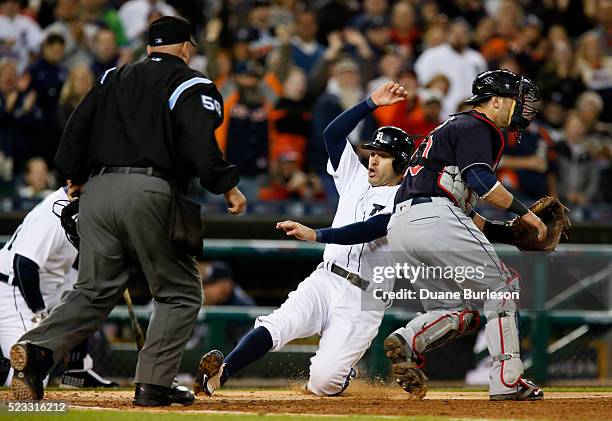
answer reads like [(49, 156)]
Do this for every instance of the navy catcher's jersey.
[(464, 140)]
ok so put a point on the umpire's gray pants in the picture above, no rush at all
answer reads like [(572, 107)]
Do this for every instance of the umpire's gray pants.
[(123, 224)]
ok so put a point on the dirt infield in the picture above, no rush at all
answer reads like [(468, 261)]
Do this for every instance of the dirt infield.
[(363, 399)]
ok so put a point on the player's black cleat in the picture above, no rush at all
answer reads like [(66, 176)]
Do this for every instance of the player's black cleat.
[(209, 374), (527, 391), (30, 364), (75, 379), (153, 395)]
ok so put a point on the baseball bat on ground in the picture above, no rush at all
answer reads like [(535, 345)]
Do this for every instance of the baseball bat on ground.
[(138, 333)]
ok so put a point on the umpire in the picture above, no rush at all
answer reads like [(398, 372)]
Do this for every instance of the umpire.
[(129, 150)]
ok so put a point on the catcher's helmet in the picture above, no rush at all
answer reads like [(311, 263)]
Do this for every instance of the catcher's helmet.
[(394, 141), (494, 83), (68, 217), (507, 84)]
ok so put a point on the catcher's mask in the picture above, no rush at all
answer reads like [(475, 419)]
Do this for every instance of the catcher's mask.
[(526, 108), (395, 141), (505, 83), (68, 215)]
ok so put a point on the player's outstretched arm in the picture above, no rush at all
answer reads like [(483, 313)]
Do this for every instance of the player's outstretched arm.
[(336, 132), (356, 233)]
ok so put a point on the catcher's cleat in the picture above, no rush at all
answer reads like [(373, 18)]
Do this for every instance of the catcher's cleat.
[(75, 379), (154, 395), (209, 374), (527, 391), (30, 364), (395, 347), (410, 378)]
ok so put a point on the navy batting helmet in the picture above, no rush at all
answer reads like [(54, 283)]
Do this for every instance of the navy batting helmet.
[(394, 141)]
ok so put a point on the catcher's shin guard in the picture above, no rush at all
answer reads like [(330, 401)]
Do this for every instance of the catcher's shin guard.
[(503, 342), (405, 347)]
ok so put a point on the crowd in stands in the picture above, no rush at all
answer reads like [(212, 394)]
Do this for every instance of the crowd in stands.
[(287, 68)]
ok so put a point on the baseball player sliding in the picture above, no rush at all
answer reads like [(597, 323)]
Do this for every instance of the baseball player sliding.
[(36, 267), (328, 301), (434, 225)]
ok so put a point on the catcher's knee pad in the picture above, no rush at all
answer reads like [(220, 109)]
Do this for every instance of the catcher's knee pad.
[(445, 327), (503, 342)]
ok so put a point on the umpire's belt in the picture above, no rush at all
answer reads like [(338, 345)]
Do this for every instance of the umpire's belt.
[(353, 278), (150, 171)]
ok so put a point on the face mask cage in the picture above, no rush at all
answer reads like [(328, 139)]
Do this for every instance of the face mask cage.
[(526, 108)]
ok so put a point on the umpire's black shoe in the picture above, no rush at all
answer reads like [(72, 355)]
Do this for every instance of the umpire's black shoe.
[(154, 395), (31, 364)]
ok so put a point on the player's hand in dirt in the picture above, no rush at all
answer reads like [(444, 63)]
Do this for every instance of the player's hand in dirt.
[(297, 230), (388, 94)]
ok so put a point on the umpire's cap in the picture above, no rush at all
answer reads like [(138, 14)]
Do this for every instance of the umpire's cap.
[(395, 141), (494, 83), (170, 30)]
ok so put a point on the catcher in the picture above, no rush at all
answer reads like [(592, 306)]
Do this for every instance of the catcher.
[(434, 225)]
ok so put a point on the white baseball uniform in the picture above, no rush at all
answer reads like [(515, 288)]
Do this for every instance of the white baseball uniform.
[(326, 303), (41, 239)]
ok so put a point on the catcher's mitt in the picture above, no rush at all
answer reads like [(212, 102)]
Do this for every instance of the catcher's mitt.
[(68, 217), (554, 215)]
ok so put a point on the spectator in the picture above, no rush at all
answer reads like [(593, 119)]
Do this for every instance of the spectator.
[(559, 83), (454, 59), (72, 29), (343, 91), (596, 70), (603, 30), (244, 132), (136, 14), (371, 9), (306, 51), (20, 35), (101, 13), (47, 76), (219, 286), (578, 174), (79, 82), (333, 16), (18, 112), (404, 29), (37, 181), (291, 119), (287, 181), (439, 83), (419, 114), (378, 35), (528, 167), (260, 33), (105, 52), (389, 67), (589, 106)]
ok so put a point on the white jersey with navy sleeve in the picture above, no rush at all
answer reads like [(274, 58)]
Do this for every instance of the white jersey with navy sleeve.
[(358, 202), (42, 239)]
